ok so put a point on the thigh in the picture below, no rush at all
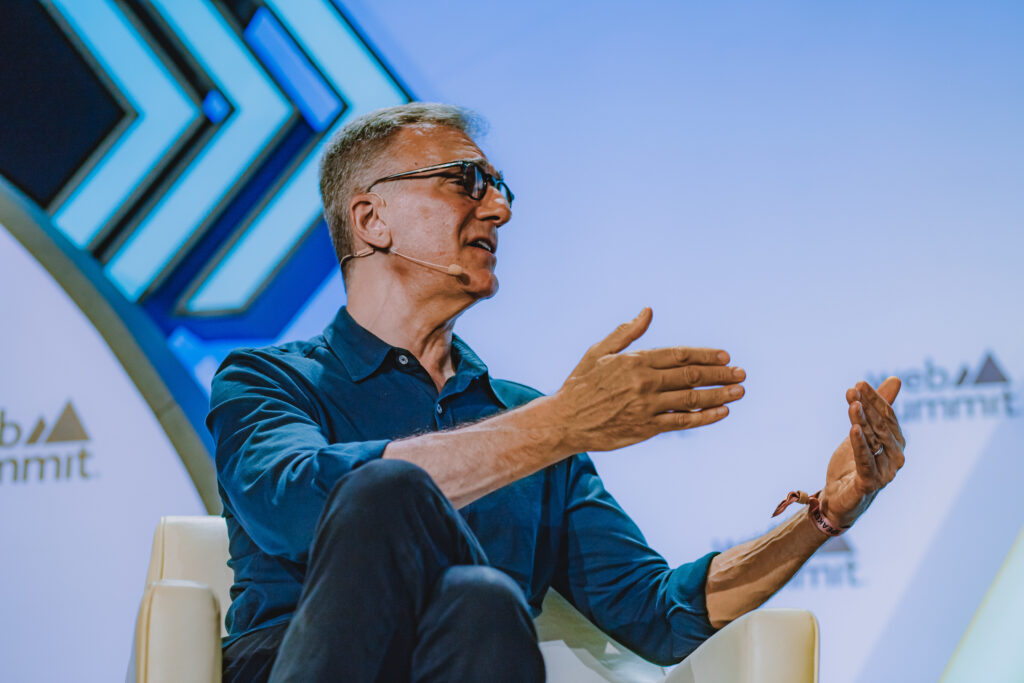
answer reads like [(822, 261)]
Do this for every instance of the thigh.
[(250, 658), (386, 535)]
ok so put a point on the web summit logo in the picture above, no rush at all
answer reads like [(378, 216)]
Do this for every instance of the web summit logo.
[(28, 456), (972, 391)]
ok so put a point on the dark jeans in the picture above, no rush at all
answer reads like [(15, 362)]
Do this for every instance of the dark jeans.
[(397, 589)]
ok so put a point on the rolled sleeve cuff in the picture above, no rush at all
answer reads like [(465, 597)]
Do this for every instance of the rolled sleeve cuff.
[(339, 459), (688, 612)]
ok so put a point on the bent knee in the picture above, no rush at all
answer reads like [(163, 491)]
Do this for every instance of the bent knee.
[(385, 477), (380, 485), (481, 585)]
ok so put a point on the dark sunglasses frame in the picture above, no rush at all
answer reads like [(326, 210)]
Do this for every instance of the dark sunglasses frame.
[(474, 179)]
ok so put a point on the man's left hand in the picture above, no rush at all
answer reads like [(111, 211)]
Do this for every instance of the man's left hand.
[(868, 459)]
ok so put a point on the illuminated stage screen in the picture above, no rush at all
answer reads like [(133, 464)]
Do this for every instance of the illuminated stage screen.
[(830, 192)]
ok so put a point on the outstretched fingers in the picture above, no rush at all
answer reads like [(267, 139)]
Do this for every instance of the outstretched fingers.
[(668, 422), (679, 356), (889, 389), (625, 334), (862, 455), (875, 433), (620, 338), (695, 399), (690, 376), (878, 410)]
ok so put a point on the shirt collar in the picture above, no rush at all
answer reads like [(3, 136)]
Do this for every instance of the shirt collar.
[(468, 366), (358, 349), (362, 352)]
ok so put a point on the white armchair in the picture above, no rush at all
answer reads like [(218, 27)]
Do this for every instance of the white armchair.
[(180, 622)]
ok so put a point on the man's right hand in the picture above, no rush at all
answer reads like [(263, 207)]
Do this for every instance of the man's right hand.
[(613, 399)]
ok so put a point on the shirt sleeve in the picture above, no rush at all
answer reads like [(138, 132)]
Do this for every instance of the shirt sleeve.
[(275, 466), (612, 576)]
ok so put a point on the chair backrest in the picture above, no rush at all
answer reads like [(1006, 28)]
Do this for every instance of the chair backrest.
[(193, 549)]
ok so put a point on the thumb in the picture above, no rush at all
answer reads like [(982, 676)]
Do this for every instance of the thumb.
[(889, 389), (625, 334)]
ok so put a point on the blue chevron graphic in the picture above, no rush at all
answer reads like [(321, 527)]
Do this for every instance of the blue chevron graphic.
[(260, 113), (164, 113), (353, 70), (303, 84)]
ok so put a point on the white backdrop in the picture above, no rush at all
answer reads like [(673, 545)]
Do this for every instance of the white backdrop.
[(81, 500), (828, 191)]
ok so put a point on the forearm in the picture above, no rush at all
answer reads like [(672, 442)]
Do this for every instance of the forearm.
[(469, 462), (745, 576)]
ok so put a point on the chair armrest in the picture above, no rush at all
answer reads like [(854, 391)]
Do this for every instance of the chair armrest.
[(575, 650), (763, 646), (177, 637)]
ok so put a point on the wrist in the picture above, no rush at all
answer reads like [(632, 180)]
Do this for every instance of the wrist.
[(551, 423), (845, 516), (823, 505), (817, 512), (823, 522)]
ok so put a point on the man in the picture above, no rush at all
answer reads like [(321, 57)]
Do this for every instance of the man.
[(397, 514)]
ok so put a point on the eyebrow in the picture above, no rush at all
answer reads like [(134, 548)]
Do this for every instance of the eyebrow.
[(486, 165)]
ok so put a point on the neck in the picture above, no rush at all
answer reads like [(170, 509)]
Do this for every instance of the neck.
[(408, 318)]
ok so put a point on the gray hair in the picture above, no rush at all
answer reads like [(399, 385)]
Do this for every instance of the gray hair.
[(354, 148)]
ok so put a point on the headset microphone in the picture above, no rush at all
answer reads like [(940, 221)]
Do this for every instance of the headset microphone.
[(454, 269)]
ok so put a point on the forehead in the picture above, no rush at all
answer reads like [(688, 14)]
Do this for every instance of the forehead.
[(428, 144)]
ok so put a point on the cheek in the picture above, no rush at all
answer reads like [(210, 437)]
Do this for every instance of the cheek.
[(433, 229), (424, 214)]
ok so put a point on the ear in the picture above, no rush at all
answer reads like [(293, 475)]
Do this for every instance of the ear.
[(367, 223)]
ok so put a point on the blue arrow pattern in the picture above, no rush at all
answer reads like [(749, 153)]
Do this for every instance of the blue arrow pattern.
[(164, 114), (260, 112), (352, 69), (303, 59)]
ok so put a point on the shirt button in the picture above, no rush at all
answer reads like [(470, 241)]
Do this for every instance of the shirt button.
[(403, 359), (439, 409)]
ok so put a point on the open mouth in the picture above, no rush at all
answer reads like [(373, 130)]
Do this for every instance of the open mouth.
[(483, 244)]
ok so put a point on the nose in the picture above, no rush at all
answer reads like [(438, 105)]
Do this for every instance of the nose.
[(494, 207)]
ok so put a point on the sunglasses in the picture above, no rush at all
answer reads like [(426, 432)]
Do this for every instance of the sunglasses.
[(473, 179)]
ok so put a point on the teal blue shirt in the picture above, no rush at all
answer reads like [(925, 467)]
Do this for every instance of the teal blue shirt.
[(290, 420)]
